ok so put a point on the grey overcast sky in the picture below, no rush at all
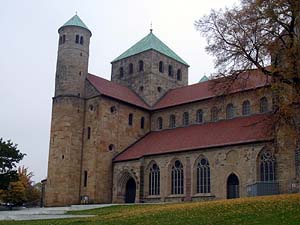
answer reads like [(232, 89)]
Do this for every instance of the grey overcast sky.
[(28, 44)]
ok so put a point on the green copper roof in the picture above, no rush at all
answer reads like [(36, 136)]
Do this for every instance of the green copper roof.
[(147, 43), (203, 79), (75, 21)]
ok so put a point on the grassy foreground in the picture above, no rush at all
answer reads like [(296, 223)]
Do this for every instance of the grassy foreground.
[(280, 209)]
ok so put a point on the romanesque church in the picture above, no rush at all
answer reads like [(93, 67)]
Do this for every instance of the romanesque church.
[(148, 136)]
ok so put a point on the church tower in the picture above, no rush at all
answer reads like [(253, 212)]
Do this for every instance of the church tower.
[(66, 138), (150, 68)]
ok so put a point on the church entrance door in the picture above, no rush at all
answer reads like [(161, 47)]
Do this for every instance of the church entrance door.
[(233, 186), (130, 191)]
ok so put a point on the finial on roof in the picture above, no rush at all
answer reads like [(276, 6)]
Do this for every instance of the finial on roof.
[(151, 27), (76, 13)]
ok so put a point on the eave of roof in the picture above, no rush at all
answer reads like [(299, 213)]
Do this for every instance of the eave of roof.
[(195, 137), (147, 43)]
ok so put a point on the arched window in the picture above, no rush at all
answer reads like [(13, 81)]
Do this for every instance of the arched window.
[(199, 116), (130, 68), (229, 111), (170, 71), (130, 119), (267, 166), (142, 123), (172, 121), (161, 67), (179, 74), (246, 108), (154, 180), (264, 105), (141, 66), (77, 39), (81, 40), (177, 178), (159, 123), (203, 176), (214, 114), (185, 119), (121, 72)]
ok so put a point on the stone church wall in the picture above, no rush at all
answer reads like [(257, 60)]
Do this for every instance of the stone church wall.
[(65, 152), (110, 134), (241, 160)]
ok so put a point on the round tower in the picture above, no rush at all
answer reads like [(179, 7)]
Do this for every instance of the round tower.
[(67, 124), (72, 59)]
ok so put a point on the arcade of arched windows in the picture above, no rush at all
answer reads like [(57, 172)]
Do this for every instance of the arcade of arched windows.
[(163, 68), (176, 172), (197, 114)]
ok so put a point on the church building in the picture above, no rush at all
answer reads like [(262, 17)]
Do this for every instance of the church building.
[(148, 136)]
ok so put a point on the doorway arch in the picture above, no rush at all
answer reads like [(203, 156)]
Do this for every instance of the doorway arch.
[(233, 186), (130, 191)]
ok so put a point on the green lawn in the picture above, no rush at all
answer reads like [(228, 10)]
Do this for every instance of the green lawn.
[(281, 209)]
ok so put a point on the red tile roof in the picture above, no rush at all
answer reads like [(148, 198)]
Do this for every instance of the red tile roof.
[(200, 91), (116, 91), (216, 134), (187, 94)]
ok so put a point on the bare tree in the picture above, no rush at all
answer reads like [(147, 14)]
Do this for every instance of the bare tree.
[(262, 35)]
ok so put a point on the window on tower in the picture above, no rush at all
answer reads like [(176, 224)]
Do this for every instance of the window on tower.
[(85, 179), (130, 119), (77, 39), (130, 69), (121, 72), (179, 74), (142, 122), (170, 71), (89, 133), (161, 67), (141, 65), (81, 40), (63, 39), (60, 40)]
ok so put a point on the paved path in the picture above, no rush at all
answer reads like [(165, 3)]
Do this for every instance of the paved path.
[(47, 213)]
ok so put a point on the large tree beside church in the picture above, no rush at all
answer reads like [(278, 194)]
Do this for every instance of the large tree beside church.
[(254, 35)]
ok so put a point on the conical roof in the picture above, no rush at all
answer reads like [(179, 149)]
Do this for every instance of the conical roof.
[(147, 43), (75, 21)]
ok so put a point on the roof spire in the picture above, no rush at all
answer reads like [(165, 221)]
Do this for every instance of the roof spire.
[(151, 27), (76, 13)]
